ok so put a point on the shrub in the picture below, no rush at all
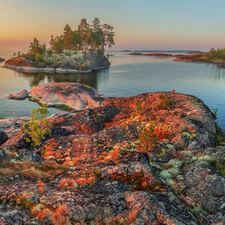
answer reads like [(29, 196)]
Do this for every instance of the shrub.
[(164, 103), (49, 52), (61, 215), (37, 127), (150, 135), (148, 139)]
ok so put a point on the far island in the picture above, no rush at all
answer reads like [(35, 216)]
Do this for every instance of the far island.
[(81, 50), (2, 60), (151, 54)]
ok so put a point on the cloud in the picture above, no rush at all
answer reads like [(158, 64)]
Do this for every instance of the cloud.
[(4, 6)]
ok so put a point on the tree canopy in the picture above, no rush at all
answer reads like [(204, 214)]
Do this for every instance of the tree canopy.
[(87, 36)]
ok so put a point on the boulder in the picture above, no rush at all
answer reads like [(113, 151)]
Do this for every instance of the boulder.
[(3, 155), (20, 95), (3, 137), (66, 95)]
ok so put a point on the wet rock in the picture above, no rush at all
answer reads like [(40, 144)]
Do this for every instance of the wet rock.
[(3, 137), (12, 123), (20, 95)]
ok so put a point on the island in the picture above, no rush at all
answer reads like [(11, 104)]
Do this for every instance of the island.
[(215, 56), (81, 50), (2, 60), (151, 54), (154, 158)]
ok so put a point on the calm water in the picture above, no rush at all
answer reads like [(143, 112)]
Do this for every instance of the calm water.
[(128, 75)]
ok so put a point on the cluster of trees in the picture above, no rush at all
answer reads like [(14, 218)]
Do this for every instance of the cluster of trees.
[(216, 53), (87, 36)]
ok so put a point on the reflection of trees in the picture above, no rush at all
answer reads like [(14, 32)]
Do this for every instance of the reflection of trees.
[(90, 79)]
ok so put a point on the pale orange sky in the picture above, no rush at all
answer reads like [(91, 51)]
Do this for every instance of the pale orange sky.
[(145, 24)]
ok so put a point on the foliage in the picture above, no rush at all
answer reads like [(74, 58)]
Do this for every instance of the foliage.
[(50, 52), (148, 139), (220, 134), (164, 103), (141, 182), (216, 53), (38, 126), (37, 48), (216, 113), (150, 135), (61, 215)]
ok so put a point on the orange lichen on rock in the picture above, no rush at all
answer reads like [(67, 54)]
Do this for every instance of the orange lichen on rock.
[(61, 215)]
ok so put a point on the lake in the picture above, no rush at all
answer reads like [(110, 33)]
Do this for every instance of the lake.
[(127, 76)]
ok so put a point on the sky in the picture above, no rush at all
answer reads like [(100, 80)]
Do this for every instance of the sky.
[(138, 24)]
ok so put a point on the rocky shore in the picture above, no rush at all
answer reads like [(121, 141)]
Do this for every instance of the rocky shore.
[(60, 63), (148, 159), (196, 58)]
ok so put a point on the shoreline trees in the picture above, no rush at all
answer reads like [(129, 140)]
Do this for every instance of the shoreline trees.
[(95, 36)]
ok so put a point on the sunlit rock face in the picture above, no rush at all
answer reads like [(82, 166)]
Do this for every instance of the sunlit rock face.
[(70, 95), (116, 169)]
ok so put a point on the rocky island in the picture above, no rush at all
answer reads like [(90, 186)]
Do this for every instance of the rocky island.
[(78, 62), (2, 60), (80, 50), (213, 56), (155, 158)]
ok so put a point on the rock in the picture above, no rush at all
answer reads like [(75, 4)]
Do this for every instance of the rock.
[(3, 137), (29, 155), (2, 60), (68, 95), (20, 95), (13, 123), (110, 173), (85, 63), (3, 155)]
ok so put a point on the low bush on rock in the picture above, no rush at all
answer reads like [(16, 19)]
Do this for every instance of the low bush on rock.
[(38, 126)]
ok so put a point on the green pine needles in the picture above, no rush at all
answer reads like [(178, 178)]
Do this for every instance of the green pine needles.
[(38, 126)]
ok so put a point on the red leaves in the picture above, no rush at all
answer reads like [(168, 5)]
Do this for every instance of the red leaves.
[(141, 182), (150, 135), (60, 216)]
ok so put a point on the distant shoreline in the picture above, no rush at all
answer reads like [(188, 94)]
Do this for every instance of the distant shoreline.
[(151, 54)]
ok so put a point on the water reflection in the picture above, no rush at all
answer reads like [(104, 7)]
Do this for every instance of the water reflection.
[(90, 79)]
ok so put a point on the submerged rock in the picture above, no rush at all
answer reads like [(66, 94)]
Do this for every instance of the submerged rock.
[(20, 95)]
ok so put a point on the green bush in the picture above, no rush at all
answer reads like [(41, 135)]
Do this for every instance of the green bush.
[(38, 126), (49, 52)]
